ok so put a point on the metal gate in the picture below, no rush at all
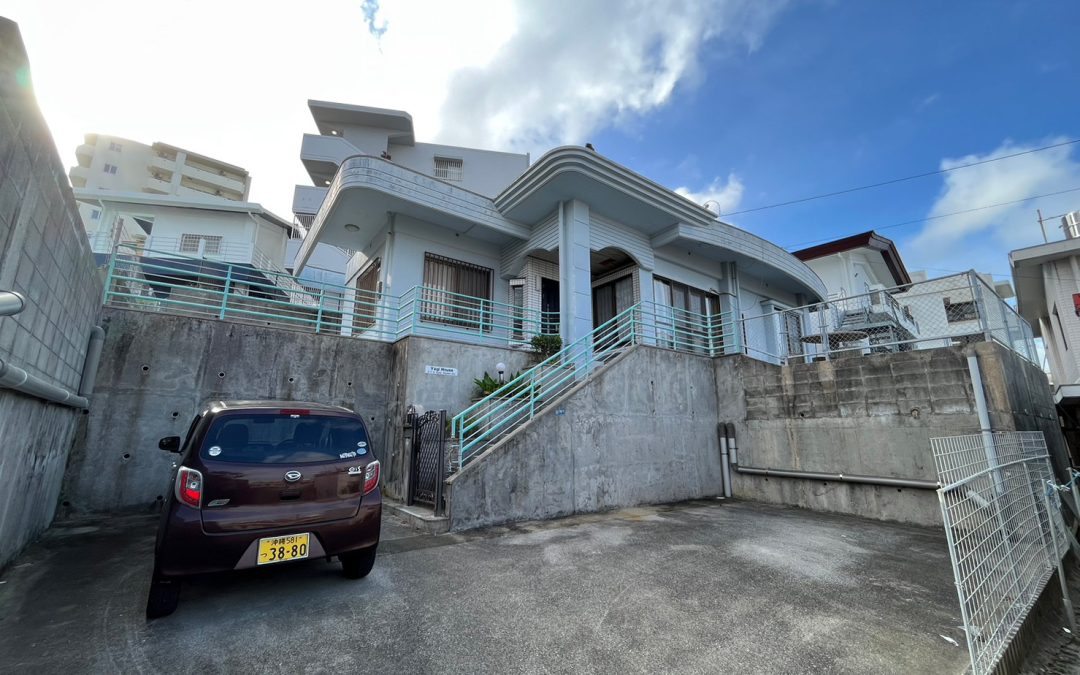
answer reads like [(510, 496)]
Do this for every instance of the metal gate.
[(428, 465), (1005, 531)]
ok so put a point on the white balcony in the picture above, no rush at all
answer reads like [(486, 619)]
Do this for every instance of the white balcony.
[(217, 181), (322, 155), (85, 153), (157, 186), (79, 175), (162, 165), (308, 199)]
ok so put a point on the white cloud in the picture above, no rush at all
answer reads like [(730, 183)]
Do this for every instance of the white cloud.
[(574, 67), (983, 239), (719, 197), (231, 79)]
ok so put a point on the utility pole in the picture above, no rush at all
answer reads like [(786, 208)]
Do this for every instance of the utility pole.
[(1041, 225)]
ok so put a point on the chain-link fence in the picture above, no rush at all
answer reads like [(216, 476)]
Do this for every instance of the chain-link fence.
[(1005, 532), (952, 310)]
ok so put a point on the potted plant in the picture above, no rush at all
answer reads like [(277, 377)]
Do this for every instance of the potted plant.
[(546, 345)]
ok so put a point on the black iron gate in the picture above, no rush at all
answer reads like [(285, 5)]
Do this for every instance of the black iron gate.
[(428, 466)]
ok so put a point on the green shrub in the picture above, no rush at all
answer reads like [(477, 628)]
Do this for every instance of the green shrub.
[(546, 345)]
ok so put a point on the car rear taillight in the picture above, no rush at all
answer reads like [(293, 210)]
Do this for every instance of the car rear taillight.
[(189, 487), (371, 476)]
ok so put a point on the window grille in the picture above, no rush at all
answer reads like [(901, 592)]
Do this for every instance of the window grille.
[(448, 168), (189, 243), (960, 311)]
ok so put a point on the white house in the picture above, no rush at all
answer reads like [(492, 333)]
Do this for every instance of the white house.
[(567, 242)]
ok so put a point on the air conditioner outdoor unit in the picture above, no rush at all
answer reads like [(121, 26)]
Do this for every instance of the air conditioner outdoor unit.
[(1070, 222)]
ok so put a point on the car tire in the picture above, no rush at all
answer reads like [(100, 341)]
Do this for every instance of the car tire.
[(357, 564), (163, 598)]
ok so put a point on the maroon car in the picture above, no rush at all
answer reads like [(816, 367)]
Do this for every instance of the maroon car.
[(263, 483)]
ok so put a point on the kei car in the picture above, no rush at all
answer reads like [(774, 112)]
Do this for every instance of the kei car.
[(266, 483)]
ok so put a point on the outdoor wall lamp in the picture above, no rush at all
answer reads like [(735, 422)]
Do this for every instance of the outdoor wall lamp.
[(11, 303), (501, 367)]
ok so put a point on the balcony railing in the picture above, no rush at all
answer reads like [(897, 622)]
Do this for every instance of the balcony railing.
[(901, 319)]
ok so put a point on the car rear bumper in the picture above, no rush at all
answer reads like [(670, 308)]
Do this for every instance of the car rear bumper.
[(185, 548)]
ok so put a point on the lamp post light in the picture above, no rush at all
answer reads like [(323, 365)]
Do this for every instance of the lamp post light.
[(501, 367)]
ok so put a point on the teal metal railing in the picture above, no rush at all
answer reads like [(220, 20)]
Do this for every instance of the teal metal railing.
[(522, 398), (165, 281)]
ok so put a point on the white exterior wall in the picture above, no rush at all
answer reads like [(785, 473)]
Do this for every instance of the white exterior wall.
[(483, 171), (1061, 279), (843, 277)]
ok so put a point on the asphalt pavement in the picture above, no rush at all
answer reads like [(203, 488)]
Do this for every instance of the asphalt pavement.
[(698, 587)]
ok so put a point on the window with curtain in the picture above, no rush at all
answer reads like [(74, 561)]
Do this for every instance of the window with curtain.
[(367, 296), (686, 316), (456, 293)]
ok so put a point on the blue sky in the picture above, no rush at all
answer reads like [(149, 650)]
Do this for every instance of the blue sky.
[(748, 102), (844, 94)]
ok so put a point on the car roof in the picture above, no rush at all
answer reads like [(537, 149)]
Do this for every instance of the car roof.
[(221, 406)]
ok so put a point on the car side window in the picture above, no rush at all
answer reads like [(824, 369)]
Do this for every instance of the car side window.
[(190, 433)]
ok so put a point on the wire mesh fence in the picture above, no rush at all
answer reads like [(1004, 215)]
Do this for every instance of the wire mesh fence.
[(1005, 532), (943, 312)]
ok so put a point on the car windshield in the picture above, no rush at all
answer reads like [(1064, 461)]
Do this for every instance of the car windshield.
[(284, 438)]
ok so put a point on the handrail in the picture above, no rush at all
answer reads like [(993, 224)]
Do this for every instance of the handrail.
[(519, 400)]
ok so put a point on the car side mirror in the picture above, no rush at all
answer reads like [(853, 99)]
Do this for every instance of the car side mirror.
[(170, 444)]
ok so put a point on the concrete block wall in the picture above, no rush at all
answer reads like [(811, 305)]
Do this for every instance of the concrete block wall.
[(158, 369), (45, 256), (872, 415), (643, 430)]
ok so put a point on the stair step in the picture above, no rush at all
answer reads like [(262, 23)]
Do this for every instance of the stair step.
[(420, 517)]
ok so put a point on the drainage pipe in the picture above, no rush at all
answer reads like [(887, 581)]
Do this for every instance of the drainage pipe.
[(11, 303), (733, 451), (721, 431), (13, 377), (984, 419), (92, 361), (842, 478)]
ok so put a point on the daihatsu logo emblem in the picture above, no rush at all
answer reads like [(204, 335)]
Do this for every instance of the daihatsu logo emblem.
[(293, 476)]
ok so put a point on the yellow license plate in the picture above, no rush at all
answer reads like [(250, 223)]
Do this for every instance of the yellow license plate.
[(280, 549)]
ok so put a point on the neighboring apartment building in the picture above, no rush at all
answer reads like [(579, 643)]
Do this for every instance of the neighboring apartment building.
[(574, 238), (1047, 279)]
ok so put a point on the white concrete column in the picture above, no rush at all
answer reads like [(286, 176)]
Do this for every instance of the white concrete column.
[(646, 329), (178, 169), (575, 272)]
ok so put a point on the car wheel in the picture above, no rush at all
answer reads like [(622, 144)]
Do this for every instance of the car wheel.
[(163, 598), (358, 564)]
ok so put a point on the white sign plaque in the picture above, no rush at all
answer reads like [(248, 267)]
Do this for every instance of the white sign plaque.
[(440, 370)]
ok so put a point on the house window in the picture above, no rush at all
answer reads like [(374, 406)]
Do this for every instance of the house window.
[(95, 214), (189, 243), (456, 293), (110, 169), (366, 305), (449, 168), (685, 316), (960, 311), (517, 304), (115, 147)]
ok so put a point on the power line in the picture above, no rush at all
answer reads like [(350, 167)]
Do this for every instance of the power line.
[(941, 215), (899, 180)]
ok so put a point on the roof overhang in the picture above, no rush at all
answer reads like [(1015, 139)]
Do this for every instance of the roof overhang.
[(329, 116), (1069, 394), (121, 199), (609, 189), (726, 243), (366, 189), (1027, 275), (869, 240)]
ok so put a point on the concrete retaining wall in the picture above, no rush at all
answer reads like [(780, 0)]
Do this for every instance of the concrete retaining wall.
[(871, 415), (643, 430), (157, 369), (45, 256)]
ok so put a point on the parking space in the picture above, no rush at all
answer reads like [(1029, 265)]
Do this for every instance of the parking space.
[(693, 587)]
